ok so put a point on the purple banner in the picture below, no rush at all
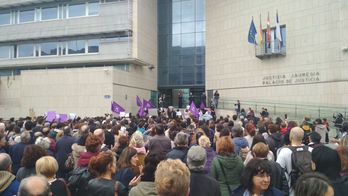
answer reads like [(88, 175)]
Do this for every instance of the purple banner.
[(51, 115)]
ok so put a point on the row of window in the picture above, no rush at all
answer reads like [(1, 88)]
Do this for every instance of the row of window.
[(71, 10), (50, 49)]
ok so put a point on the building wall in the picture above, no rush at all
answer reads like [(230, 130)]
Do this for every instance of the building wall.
[(316, 33), (10, 96), (145, 41), (87, 91)]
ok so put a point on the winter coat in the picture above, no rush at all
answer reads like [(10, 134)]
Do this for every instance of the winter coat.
[(84, 158), (8, 184), (63, 148), (270, 192), (233, 167), (24, 172), (274, 142), (179, 152), (203, 185), (144, 188), (322, 130), (160, 143), (16, 153), (76, 150)]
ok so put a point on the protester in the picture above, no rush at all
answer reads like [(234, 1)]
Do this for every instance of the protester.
[(314, 184), (48, 167), (256, 180), (16, 151), (205, 143), (172, 178), (146, 187), (63, 148), (34, 185), (181, 147), (227, 166), (201, 184), (127, 167), (327, 161), (31, 154), (8, 183), (104, 166)]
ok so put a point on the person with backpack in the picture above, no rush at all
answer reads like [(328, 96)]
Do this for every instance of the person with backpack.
[(296, 158), (80, 176)]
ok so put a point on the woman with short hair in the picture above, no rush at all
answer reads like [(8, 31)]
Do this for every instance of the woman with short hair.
[(48, 167), (256, 180), (227, 166)]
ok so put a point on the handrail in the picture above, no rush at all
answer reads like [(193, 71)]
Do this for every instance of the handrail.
[(293, 110)]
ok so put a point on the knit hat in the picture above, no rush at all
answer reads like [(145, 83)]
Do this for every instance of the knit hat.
[(196, 157)]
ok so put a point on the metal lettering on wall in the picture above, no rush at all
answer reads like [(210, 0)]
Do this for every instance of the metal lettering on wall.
[(291, 78)]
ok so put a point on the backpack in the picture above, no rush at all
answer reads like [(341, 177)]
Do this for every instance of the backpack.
[(70, 162), (301, 163), (78, 181)]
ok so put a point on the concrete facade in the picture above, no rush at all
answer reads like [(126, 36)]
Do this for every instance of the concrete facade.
[(84, 84), (314, 70)]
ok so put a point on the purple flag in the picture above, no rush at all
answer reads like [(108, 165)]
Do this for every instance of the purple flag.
[(193, 109), (141, 112), (148, 104), (63, 118), (51, 115), (139, 103), (202, 106), (116, 108)]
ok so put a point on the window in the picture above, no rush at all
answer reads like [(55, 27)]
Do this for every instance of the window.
[(26, 50), (5, 52), (188, 40), (5, 18), (48, 49), (93, 46), (49, 13), (188, 11), (188, 27), (93, 8), (77, 10), (26, 16), (76, 47)]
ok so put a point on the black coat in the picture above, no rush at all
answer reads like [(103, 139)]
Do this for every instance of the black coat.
[(203, 185)]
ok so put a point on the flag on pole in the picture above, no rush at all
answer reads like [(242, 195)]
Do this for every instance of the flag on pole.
[(141, 112), (139, 103), (260, 32), (116, 107), (148, 104), (202, 106), (252, 32), (193, 109), (278, 33), (268, 32)]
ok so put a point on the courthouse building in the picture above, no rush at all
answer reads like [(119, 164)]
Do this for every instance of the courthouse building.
[(308, 67), (76, 56)]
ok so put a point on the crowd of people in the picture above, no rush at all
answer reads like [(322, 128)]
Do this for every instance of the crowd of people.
[(173, 155)]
